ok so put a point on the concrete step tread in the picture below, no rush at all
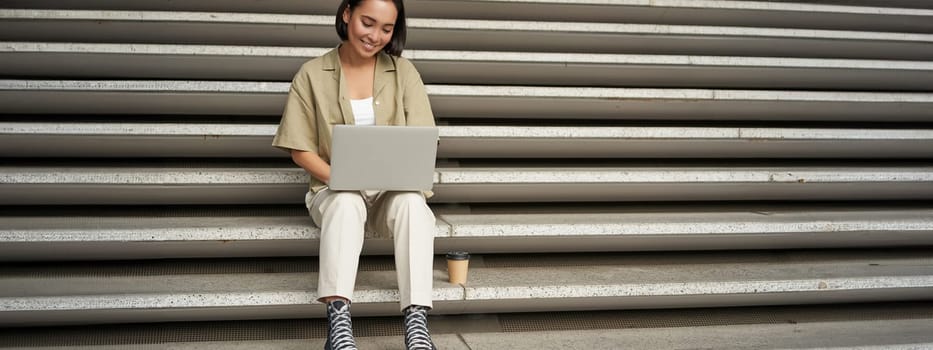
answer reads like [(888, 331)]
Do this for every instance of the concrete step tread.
[(233, 98), (901, 334), (462, 24), (663, 174), (517, 224), (475, 225), (479, 131), (189, 140), (213, 175), (432, 7), (601, 274), (483, 35), (130, 236), (277, 63), (674, 142), (548, 280), (211, 184), (181, 86), (459, 56)]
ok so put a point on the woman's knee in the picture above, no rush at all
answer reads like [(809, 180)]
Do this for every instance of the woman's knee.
[(410, 204), (409, 200), (346, 201)]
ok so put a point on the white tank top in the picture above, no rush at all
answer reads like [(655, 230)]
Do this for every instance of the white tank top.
[(363, 112)]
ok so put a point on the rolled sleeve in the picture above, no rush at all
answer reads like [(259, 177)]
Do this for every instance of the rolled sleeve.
[(298, 128), (414, 97)]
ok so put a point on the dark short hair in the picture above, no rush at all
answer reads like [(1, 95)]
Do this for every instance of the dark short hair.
[(396, 44)]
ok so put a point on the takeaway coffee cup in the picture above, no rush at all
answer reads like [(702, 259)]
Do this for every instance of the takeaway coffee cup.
[(457, 264)]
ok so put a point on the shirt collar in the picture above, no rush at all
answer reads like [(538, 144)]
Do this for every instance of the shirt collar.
[(331, 62)]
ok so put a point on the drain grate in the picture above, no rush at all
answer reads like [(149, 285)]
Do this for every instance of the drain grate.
[(191, 332), (159, 333), (155, 211), (180, 267), (556, 321)]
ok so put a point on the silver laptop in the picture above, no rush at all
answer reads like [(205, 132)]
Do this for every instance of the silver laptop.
[(390, 158)]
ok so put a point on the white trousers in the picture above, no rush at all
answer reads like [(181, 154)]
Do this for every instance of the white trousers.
[(344, 216)]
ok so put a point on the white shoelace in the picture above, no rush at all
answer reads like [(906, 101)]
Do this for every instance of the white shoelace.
[(341, 328), (416, 329)]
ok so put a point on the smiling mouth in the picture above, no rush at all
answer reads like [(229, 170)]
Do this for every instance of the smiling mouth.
[(368, 46)]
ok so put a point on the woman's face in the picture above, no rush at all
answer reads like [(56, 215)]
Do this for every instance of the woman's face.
[(370, 26)]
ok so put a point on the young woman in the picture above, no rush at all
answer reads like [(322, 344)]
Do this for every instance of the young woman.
[(362, 82)]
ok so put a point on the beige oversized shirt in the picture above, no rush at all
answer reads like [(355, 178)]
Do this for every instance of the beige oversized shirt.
[(317, 100)]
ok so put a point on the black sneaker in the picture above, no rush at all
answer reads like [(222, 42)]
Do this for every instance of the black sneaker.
[(417, 336), (339, 327)]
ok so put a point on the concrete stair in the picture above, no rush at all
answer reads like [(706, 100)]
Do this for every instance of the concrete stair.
[(187, 140), (868, 16), (516, 283), (599, 159), (114, 234), (227, 28), (163, 97), (224, 183), (225, 62), (862, 326)]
